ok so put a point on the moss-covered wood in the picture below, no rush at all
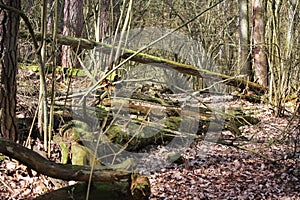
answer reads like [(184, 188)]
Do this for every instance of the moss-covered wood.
[(140, 131), (139, 187), (157, 61)]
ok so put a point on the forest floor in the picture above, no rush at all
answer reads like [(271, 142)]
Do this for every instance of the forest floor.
[(215, 171), (267, 166)]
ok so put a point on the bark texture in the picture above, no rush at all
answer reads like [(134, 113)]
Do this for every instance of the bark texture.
[(244, 41), (64, 172), (258, 37), (9, 22), (73, 25)]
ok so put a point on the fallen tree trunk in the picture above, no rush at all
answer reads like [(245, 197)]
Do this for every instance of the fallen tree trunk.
[(155, 61), (155, 122), (126, 185), (138, 190), (107, 191), (64, 172)]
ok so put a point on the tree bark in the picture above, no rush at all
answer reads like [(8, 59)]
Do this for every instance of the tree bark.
[(9, 22), (133, 186), (244, 41), (107, 191), (73, 25), (64, 172), (258, 37), (101, 24)]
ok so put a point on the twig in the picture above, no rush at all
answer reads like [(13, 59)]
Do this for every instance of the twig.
[(255, 152), (7, 186)]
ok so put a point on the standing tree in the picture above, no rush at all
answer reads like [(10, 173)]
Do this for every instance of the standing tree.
[(258, 37), (101, 22), (244, 50), (8, 69), (73, 25)]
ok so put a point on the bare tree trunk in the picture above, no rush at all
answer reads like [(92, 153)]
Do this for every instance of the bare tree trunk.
[(43, 106), (258, 37), (101, 24), (73, 25), (244, 40), (289, 64), (9, 22)]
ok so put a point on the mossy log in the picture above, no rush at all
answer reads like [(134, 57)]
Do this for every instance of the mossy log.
[(150, 123), (155, 61), (170, 129)]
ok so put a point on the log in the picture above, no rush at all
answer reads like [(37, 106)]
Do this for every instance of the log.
[(115, 183), (138, 189), (155, 61), (107, 191), (151, 117), (66, 172)]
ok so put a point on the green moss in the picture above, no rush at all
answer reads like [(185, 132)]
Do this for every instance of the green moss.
[(2, 158), (173, 123), (35, 68), (79, 154), (64, 152)]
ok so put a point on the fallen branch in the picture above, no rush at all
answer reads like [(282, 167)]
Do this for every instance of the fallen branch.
[(64, 172), (255, 153)]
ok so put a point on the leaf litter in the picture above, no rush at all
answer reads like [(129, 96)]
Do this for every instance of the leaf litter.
[(209, 171)]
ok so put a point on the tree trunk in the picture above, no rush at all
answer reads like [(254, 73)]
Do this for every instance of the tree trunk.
[(158, 62), (115, 179), (101, 25), (8, 69), (244, 41), (258, 37), (290, 57), (73, 25)]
